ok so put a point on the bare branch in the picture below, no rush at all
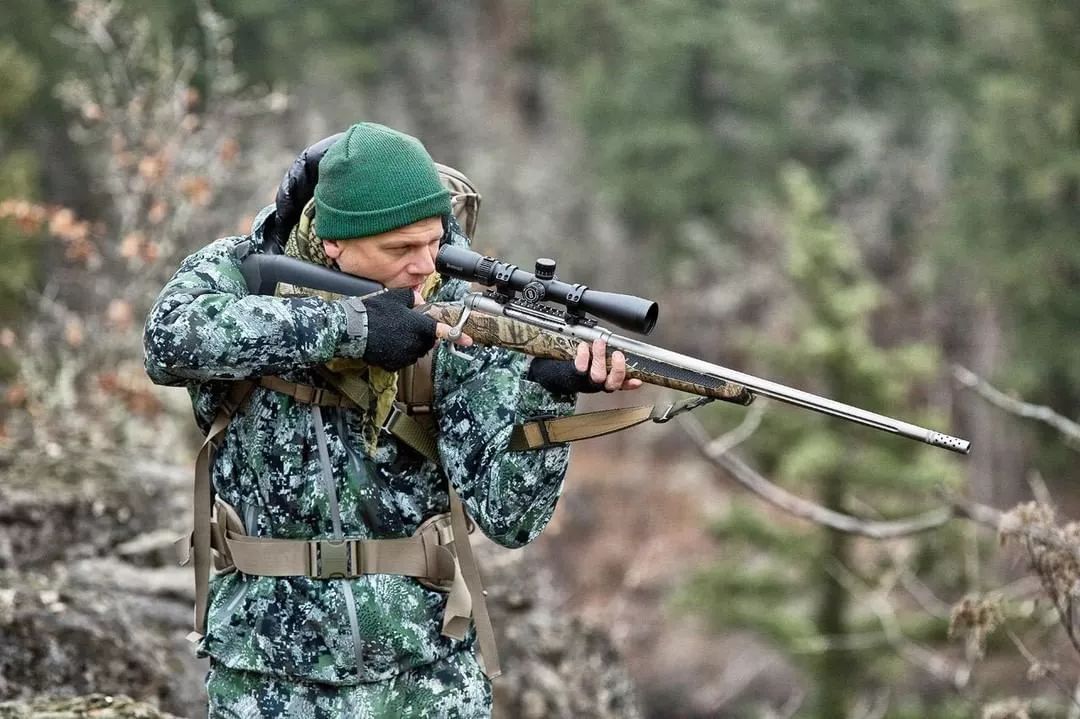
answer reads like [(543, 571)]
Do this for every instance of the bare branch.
[(877, 601), (1039, 490), (1038, 669), (1069, 429), (799, 507), (730, 440)]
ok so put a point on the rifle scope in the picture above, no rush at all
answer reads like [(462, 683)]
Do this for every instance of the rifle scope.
[(636, 314)]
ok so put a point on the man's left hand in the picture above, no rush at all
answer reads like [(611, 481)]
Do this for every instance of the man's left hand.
[(588, 373), (609, 380)]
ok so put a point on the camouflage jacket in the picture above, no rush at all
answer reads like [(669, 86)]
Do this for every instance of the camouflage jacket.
[(205, 329)]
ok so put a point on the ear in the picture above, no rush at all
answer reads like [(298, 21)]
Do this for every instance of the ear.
[(332, 248)]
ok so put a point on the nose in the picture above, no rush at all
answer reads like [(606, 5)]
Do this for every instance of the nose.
[(423, 262)]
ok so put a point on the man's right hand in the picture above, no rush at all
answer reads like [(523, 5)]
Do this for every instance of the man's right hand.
[(396, 335)]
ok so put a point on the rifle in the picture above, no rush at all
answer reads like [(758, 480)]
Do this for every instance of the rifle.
[(517, 313)]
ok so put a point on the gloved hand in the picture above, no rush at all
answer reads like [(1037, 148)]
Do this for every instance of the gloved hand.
[(588, 372), (562, 377), (396, 336)]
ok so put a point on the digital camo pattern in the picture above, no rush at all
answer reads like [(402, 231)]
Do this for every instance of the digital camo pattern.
[(203, 329), (451, 688)]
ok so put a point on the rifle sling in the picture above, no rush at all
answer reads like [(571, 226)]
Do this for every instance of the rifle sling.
[(542, 432)]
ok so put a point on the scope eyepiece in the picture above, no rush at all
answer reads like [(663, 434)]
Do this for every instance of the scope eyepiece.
[(636, 314)]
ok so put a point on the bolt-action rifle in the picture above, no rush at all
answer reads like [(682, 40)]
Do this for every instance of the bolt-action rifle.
[(518, 312)]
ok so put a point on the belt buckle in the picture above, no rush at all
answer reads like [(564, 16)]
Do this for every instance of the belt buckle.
[(332, 559)]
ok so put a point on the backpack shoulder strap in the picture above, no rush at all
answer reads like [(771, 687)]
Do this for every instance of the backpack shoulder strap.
[(195, 545)]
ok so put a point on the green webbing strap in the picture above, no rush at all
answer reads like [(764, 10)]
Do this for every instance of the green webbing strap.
[(195, 546), (485, 633), (412, 432)]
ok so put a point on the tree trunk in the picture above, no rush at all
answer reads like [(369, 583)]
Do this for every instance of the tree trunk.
[(834, 670)]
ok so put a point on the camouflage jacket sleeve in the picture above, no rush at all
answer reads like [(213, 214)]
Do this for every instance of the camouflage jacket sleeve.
[(510, 495), (205, 326)]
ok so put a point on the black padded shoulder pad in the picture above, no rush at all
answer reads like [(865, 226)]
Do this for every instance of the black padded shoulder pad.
[(297, 187)]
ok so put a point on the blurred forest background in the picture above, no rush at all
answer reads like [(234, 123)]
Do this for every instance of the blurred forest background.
[(878, 202)]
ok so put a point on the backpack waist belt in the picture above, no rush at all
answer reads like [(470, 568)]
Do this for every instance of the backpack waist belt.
[(428, 555)]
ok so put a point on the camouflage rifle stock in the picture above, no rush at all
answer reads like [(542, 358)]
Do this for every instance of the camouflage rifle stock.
[(488, 326)]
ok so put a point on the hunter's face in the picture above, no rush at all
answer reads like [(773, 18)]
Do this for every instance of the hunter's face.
[(400, 258)]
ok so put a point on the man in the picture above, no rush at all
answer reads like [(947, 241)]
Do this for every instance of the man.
[(316, 473)]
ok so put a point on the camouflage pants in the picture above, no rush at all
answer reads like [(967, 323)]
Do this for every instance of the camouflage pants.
[(453, 687)]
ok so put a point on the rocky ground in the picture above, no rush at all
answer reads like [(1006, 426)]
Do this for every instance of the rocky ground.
[(93, 614)]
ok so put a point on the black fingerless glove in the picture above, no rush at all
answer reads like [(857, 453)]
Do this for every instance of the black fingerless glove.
[(562, 377), (396, 336)]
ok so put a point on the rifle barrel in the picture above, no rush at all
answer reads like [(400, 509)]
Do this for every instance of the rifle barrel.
[(797, 397)]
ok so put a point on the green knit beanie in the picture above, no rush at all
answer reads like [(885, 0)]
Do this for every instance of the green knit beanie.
[(375, 180)]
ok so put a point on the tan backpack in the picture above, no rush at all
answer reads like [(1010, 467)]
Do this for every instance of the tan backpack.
[(464, 199)]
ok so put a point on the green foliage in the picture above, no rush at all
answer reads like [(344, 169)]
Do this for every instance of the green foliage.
[(682, 121), (733, 596), (20, 249), (25, 109), (830, 347), (745, 528), (692, 109), (19, 82), (792, 589), (278, 41), (1018, 193)]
